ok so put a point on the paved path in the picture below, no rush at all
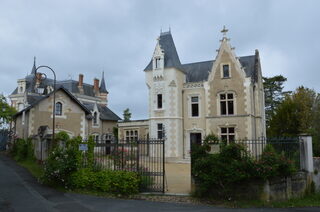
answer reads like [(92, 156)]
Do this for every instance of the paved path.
[(19, 191)]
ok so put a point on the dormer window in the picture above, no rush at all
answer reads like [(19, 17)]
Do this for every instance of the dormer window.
[(95, 118), (158, 62), (20, 89), (225, 71)]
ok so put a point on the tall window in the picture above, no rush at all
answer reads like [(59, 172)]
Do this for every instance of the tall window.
[(160, 131), (58, 109), (132, 135), (227, 134), (226, 104), (158, 62), (195, 106), (226, 71), (95, 118), (159, 101)]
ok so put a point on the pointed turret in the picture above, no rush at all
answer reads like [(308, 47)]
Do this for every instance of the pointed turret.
[(33, 71), (103, 85), (165, 45)]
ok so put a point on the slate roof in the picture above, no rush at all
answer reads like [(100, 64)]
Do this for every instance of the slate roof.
[(199, 71), (105, 113), (103, 84), (37, 100), (171, 58)]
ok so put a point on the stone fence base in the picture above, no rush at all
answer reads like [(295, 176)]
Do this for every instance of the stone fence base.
[(316, 173), (286, 188)]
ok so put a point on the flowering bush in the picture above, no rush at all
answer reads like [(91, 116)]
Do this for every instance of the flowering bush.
[(60, 165)]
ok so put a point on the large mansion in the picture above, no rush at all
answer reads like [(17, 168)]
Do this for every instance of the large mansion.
[(223, 96)]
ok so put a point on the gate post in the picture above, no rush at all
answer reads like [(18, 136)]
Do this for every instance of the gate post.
[(306, 154)]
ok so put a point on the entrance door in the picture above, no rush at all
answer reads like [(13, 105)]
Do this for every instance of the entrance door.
[(195, 138)]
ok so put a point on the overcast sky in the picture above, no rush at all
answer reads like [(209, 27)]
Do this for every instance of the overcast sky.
[(78, 36)]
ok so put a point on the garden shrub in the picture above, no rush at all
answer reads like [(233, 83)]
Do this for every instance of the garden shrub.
[(114, 182), (23, 150), (60, 164), (219, 175)]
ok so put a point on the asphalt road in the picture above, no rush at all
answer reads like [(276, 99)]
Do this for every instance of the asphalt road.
[(19, 191)]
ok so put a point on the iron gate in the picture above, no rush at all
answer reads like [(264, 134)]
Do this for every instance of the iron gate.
[(146, 157)]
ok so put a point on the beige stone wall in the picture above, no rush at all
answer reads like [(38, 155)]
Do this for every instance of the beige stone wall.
[(142, 126), (70, 121), (104, 127)]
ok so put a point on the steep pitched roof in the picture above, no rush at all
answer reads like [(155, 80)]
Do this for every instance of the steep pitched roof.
[(197, 72), (171, 58), (105, 113), (39, 99), (103, 84)]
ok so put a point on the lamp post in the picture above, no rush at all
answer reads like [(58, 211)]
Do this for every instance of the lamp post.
[(54, 98)]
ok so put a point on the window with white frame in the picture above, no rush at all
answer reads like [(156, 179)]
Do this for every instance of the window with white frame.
[(225, 71), (160, 130), (159, 101), (131, 135), (227, 104), (227, 134), (58, 109), (194, 106)]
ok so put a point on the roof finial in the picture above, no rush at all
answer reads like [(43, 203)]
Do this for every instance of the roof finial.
[(169, 28), (224, 31)]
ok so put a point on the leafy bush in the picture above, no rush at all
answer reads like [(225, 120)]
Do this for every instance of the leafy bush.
[(272, 164), (220, 174), (23, 150), (60, 164), (115, 182)]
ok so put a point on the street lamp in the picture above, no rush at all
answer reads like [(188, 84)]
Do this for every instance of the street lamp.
[(54, 98)]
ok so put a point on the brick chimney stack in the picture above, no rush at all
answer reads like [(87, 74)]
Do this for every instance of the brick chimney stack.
[(96, 85), (80, 80)]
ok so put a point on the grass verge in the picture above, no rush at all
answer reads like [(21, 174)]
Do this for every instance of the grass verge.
[(33, 167)]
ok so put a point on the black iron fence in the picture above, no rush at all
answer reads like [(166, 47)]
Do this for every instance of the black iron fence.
[(288, 147), (146, 157)]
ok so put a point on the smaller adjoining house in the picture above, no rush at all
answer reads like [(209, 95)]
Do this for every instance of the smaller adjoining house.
[(80, 109)]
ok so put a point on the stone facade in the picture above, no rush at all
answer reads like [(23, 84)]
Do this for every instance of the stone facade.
[(224, 96), (81, 109)]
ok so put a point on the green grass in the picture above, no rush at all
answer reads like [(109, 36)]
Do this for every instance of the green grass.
[(33, 167), (310, 200)]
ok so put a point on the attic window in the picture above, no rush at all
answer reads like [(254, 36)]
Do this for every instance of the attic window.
[(95, 118), (58, 109), (158, 62), (226, 71), (21, 89)]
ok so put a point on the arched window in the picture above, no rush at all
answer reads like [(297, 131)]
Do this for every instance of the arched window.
[(58, 109), (95, 118)]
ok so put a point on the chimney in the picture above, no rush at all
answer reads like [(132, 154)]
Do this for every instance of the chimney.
[(80, 80), (96, 85)]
